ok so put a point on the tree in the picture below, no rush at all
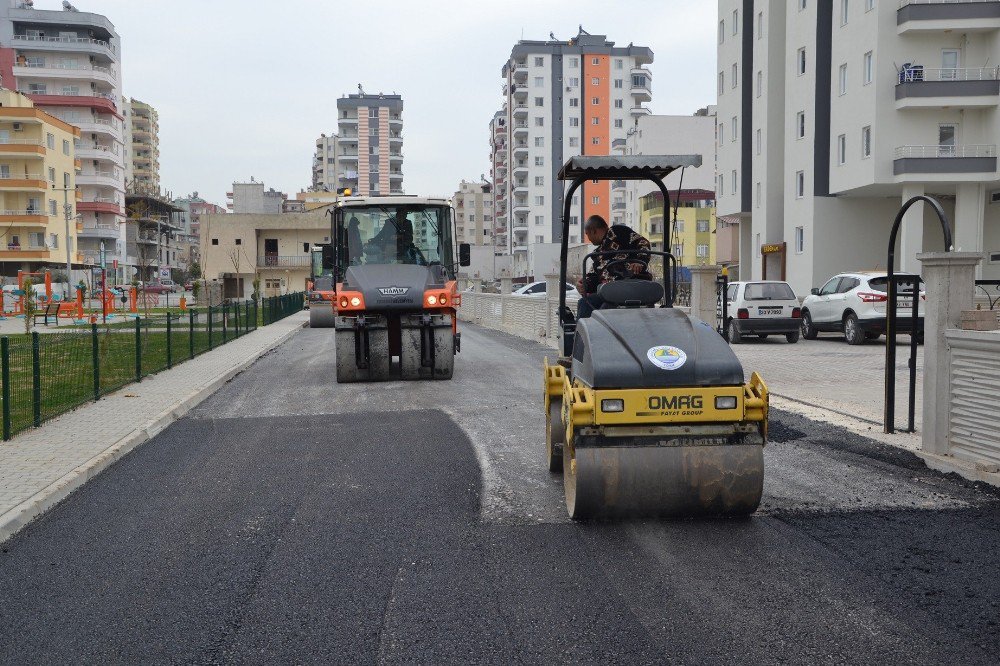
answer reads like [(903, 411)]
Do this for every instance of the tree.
[(195, 270), (28, 304)]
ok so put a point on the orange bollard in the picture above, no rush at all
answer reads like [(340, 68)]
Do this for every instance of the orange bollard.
[(184, 303), (79, 303), (133, 301)]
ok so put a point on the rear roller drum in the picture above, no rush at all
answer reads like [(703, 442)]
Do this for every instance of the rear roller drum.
[(555, 435), (411, 354), (378, 357), (662, 481), (321, 315)]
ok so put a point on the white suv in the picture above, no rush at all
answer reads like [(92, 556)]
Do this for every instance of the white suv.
[(761, 308), (855, 304)]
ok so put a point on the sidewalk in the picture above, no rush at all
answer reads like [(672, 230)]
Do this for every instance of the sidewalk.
[(42, 466)]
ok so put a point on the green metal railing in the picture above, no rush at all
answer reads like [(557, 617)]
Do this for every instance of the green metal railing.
[(45, 375)]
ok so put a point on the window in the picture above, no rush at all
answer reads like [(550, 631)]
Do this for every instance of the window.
[(678, 251), (53, 207), (539, 121), (618, 123), (595, 200), (722, 83), (843, 79), (800, 62), (866, 141), (734, 181), (734, 129), (239, 241), (54, 240), (539, 142), (373, 113), (618, 103), (574, 81), (36, 239), (595, 81), (595, 61), (373, 130), (539, 101), (574, 122), (574, 142), (539, 180), (868, 68), (36, 88), (596, 120), (574, 62), (800, 125), (722, 31), (65, 180), (50, 141), (619, 83), (722, 133), (305, 247), (736, 16), (52, 176), (722, 188), (701, 226), (595, 101), (539, 219), (758, 194), (619, 63), (800, 184), (757, 245), (472, 217), (869, 5), (215, 241), (65, 147), (950, 59), (72, 91), (800, 240), (702, 250), (539, 82), (758, 141), (802, 5), (760, 25), (841, 149), (539, 160), (760, 82), (539, 61), (735, 78), (844, 4), (574, 102), (539, 239), (4, 171)]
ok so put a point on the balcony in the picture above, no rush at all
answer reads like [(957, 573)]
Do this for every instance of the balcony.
[(23, 148), (395, 120), (33, 182), (348, 120), (638, 111), (68, 44), (100, 102), (915, 16), (282, 261), (520, 247), (521, 208), (618, 205), (519, 91), (520, 70), (99, 231), (520, 225), (21, 253), (521, 111), (85, 72), (642, 85), (100, 205), (945, 162), (520, 149), (520, 169), (618, 185), (29, 217), (954, 87)]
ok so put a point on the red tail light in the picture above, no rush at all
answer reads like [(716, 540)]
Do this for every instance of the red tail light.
[(796, 313), (868, 297), (742, 313)]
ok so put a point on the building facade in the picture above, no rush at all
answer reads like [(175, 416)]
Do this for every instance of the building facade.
[(844, 110), (474, 214), (188, 222), (691, 225), (325, 166), (252, 198), (68, 63), (144, 128), (37, 197), (370, 144), (498, 176), (564, 98)]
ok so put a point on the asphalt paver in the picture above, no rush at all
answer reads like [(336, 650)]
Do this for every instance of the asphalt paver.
[(289, 519)]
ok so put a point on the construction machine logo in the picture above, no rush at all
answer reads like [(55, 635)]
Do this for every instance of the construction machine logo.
[(667, 357), (393, 291)]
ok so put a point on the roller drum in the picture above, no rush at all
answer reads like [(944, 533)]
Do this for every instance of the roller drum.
[(321, 315)]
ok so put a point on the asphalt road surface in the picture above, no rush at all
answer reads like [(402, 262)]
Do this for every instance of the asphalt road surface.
[(289, 519)]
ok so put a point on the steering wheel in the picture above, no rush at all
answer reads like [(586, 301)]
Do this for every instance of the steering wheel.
[(621, 270)]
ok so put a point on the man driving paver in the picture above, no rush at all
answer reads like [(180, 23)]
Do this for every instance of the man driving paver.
[(609, 268)]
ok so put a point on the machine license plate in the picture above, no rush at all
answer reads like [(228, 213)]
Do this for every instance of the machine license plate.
[(769, 311), (904, 302)]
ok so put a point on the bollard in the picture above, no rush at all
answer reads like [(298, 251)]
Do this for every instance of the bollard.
[(191, 333), (5, 383), (36, 380), (138, 349), (95, 361), (170, 362)]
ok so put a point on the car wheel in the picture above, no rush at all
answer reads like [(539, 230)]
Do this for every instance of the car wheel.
[(852, 331), (809, 331), (734, 332), (762, 336), (872, 335), (792, 337)]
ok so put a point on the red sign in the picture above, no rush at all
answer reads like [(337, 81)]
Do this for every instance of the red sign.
[(114, 264)]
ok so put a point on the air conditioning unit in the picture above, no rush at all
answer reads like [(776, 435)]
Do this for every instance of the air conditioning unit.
[(18, 127)]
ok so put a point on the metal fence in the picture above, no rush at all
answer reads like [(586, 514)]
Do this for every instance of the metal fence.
[(45, 375)]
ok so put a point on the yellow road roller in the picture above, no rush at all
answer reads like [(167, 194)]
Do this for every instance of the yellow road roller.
[(647, 411)]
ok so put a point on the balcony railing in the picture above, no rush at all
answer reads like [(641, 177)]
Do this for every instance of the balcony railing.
[(65, 40), (282, 261), (903, 3), (64, 66), (913, 73), (30, 211), (30, 176), (975, 150), (21, 142)]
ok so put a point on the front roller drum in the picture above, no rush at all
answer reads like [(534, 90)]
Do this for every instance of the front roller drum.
[(321, 315), (349, 343), (427, 348), (555, 435), (681, 481)]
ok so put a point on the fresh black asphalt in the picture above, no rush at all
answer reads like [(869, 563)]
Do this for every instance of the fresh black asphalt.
[(360, 531)]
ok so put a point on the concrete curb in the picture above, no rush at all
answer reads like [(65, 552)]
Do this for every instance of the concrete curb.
[(15, 519)]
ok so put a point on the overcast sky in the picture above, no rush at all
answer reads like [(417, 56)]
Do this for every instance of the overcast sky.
[(244, 88)]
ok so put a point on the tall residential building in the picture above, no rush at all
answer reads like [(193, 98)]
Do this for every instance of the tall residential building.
[(325, 164), (253, 198), (68, 63), (188, 221), (832, 114), (370, 131), (37, 199), (474, 213), (564, 98), (499, 175), (145, 156)]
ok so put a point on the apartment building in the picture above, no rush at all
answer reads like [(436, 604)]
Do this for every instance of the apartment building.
[(325, 163), (68, 63), (144, 128), (188, 222), (252, 198), (498, 176), (564, 98), (474, 213), (845, 110), (37, 196), (370, 143), (691, 221)]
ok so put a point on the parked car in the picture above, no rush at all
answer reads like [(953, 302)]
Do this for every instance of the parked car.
[(762, 308), (538, 289), (161, 287), (855, 304)]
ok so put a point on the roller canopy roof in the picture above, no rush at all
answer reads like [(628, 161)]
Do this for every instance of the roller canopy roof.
[(627, 167)]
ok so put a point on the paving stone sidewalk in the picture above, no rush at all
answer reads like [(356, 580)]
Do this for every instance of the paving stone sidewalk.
[(41, 466)]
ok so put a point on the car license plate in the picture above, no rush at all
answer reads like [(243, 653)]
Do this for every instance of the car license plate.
[(768, 312), (904, 302)]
